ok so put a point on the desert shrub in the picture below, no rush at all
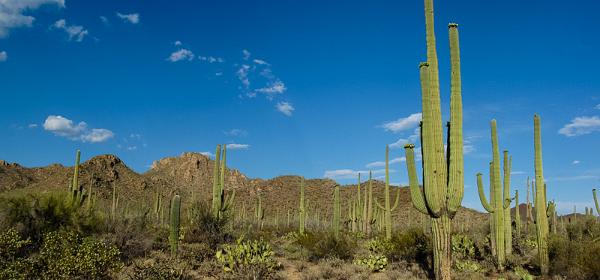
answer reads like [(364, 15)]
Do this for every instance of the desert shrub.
[(66, 255), (578, 259), (13, 253), (253, 259), (380, 246), (375, 263), (34, 215), (324, 245), (523, 274), (412, 246), (463, 247), (466, 265), (207, 228), (157, 268)]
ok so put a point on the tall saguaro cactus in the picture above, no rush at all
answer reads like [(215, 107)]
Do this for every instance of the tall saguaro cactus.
[(529, 213), (387, 208), (369, 218), (337, 211), (301, 211), (499, 206), (219, 203), (541, 219), (443, 178), (517, 215), (174, 223)]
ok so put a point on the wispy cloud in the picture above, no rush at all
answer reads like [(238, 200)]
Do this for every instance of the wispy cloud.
[(208, 154), (597, 107), (273, 88), (236, 132), (581, 126), (575, 162), (104, 20), (61, 126), (211, 59), (242, 75), (12, 13), (413, 138), (382, 163), (181, 54), (131, 18), (235, 146), (573, 178), (76, 32), (403, 124), (246, 54), (285, 108), (350, 173), (3, 56)]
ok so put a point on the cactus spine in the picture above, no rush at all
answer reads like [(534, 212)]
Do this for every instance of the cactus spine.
[(500, 225), (541, 219), (174, 224), (442, 173), (219, 203), (387, 208), (301, 212), (596, 201), (336, 211)]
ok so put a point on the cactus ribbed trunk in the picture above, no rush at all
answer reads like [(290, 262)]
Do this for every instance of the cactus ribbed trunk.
[(540, 200), (336, 211), (215, 190), (443, 172), (517, 215), (507, 217), (387, 208), (174, 224), (370, 217), (596, 201), (301, 212)]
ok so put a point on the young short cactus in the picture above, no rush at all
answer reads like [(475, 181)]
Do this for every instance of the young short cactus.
[(541, 219), (551, 214), (443, 178), (174, 224), (596, 201), (387, 208), (219, 203), (259, 213)]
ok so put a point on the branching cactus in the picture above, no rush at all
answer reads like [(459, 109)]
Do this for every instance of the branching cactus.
[(443, 174), (596, 202), (219, 203), (387, 208), (301, 211), (174, 224), (541, 219)]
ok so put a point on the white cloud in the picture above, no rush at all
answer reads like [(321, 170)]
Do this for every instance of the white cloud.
[(207, 154), (246, 54), (236, 132), (403, 124), (285, 108), (350, 173), (572, 178), (277, 87), (182, 54), (260, 62), (581, 126), (177, 43), (242, 74), (131, 18), (597, 107), (3, 56), (32, 125), (237, 146), (413, 138), (104, 20), (575, 162), (12, 13), (382, 163), (64, 127), (211, 59), (518, 173), (75, 32)]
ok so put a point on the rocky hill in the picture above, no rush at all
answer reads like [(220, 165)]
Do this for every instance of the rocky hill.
[(190, 175)]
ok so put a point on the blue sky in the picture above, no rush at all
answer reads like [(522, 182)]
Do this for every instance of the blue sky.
[(298, 87)]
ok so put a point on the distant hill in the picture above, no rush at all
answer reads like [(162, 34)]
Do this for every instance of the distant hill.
[(190, 175)]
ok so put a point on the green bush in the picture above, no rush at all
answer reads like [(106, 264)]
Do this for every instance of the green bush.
[(412, 245), (13, 250), (374, 263), (66, 255), (463, 247), (163, 269), (206, 228), (380, 246), (253, 258), (324, 245), (574, 259)]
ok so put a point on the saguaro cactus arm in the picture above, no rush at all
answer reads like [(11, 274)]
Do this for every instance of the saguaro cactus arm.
[(455, 137), (416, 193), (484, 201)]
